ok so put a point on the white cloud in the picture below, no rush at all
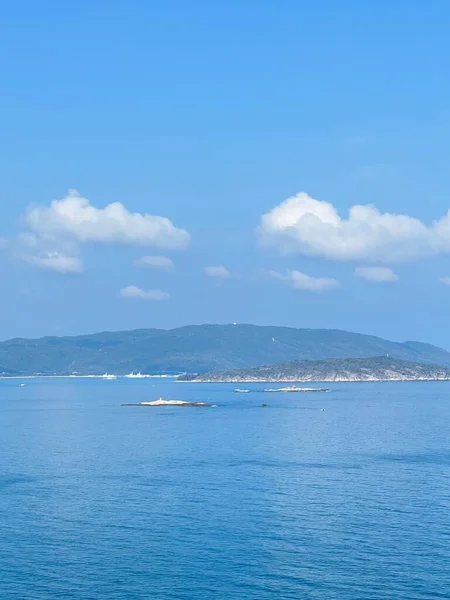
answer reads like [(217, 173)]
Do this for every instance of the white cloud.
[(376, 274), (55, 261), (155, 262), (59, 257), (134, 292), (312, 227), (76, 217), (301, 281), (445, 280), (218, 272)]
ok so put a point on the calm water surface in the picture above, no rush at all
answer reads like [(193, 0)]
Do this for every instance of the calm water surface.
[(99, 501)]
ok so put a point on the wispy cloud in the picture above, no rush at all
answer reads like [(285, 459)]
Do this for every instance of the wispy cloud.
[(154, 262), (377, 274), (218, 272), (371, 172), (55, 261), (133, 291), (301, 281), (445, 280), (355, 142)]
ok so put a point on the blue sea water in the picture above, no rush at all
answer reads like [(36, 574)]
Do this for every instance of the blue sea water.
[(100, 501)]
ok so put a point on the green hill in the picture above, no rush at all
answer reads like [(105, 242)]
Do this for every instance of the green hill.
[(198, 348)]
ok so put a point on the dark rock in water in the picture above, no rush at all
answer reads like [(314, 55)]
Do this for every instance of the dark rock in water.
[(264, 405)]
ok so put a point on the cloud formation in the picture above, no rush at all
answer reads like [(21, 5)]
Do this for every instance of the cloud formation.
[(154, 262), (445, 280), (133, 291), (76, 217), (312, 227), (219, 272), (55, 261), (301, 281), (376, 274)]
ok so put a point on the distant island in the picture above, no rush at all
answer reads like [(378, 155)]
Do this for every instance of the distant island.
[(197, 349), (381, 368), (161, 402)]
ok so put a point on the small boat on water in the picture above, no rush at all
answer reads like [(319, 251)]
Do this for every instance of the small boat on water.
[(240, 391), (109, 376), (137, 375)]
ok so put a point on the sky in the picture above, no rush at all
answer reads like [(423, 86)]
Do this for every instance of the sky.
[(172, 163)]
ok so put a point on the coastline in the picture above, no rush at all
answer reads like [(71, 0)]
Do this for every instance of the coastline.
[(111, 377), (325, 380)]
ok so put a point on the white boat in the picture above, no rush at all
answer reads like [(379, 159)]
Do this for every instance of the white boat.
[(239, 391), (137, 375), (108, 376)]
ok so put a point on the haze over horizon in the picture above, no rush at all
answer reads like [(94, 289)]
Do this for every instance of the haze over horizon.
[(176, 163)]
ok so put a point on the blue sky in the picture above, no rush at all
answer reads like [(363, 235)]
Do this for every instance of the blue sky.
[(211, 115)]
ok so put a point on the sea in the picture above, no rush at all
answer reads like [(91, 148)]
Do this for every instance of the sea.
[(342, 495)]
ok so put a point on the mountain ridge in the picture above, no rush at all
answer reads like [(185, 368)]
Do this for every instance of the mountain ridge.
[(198, 348)]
